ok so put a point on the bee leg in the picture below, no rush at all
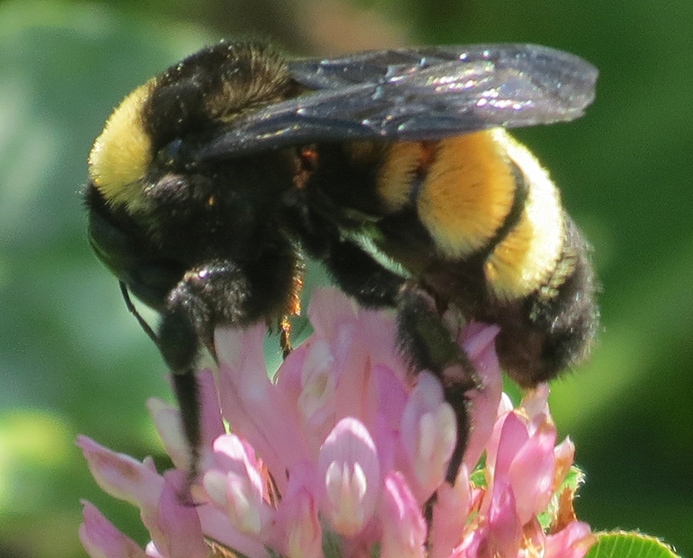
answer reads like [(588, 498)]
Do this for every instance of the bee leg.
[(353, 269), (220, 292), (423, 338), (183, 383), (429, 345), (133, 310), (180, 346), (359, 275)]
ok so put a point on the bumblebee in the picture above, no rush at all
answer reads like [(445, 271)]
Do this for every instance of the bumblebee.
[(210, 182)]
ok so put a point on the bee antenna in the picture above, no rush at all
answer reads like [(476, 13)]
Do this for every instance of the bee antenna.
[(140, 320)]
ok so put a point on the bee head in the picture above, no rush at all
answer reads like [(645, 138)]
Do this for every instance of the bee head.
[(150, 140)]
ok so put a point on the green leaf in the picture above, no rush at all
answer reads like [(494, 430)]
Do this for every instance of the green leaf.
[(622, 544)]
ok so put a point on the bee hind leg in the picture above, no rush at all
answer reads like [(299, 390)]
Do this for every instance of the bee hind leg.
[(423, 338), (429, 345)]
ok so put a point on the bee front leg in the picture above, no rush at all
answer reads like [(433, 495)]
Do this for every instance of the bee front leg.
[(217, 293), (191, 312)]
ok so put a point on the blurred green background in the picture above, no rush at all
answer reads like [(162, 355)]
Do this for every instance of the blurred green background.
[(73, 361)]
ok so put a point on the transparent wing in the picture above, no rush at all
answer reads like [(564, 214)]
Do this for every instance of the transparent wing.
[(417, 94)]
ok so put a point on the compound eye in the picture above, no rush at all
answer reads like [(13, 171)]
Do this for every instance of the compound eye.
[(170, 153)]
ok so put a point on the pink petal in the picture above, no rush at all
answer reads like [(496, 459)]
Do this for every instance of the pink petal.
[(348, 465), (573, 541), (478, 341), (317, 385), (122, 476), (505, 409), (101, 539), (535, 402), (393, 395), (356, 394), (297, 521), (175, 528), (388, 443), (512, 435), (289, 380), (378, 327), (327, 310), (330, 311), (358, 341), (531, 473), (237, 486), (241, 348), (504, 532), (253, 405), (450, 514), (316, 397), (404, 528), (428, 434), (210, 416), (168, 425), (216, 526)]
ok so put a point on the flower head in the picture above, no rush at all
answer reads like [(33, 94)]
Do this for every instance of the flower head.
[(345, 454)]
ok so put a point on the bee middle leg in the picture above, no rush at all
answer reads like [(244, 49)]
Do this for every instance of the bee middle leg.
[(359, 275)]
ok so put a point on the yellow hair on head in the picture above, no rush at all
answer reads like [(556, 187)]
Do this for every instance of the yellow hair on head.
[(122, 153), (525, 259), (467, 193)]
